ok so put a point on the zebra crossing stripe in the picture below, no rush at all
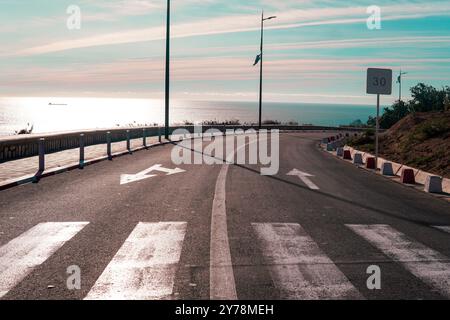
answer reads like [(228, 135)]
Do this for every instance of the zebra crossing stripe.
[(144, 267), (425, 263), (21, 255), (298, 267)]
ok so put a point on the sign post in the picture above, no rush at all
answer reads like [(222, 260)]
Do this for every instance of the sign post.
[(379, 82)]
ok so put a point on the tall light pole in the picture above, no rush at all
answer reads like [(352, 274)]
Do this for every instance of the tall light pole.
[(399, 81), (167, 96), (261, 66)]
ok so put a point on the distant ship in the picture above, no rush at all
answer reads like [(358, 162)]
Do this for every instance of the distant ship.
[(57, 104)]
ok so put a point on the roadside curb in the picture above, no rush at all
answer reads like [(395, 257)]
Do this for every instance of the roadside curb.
[(35, 178)]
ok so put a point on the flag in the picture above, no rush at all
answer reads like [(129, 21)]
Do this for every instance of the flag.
[(399, 79), (258, 58)]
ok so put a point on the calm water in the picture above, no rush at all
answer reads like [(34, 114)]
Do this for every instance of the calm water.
[(89, 113)]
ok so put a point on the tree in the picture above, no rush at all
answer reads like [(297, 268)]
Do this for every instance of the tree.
[(427, 98), (393, 114)]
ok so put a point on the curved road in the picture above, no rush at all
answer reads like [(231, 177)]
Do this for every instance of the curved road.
[(211, 232)]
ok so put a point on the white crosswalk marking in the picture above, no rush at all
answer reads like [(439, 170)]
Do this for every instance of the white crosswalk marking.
[(425, 263), (145, 266), (443, 228), (21, 255), (297, 265)]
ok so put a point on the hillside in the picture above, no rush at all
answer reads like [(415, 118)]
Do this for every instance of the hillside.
[(420, 140)]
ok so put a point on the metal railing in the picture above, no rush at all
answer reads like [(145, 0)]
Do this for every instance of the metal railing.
[(17, 147)]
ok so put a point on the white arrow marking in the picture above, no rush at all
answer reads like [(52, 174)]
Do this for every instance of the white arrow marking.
[(128, 178), (304, 177)]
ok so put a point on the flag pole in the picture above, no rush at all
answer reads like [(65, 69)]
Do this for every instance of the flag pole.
[(261, 71)]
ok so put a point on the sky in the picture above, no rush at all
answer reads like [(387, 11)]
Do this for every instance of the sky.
[(315, 51)]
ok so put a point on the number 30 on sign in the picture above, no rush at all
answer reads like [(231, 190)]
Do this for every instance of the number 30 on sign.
[(379, 81)]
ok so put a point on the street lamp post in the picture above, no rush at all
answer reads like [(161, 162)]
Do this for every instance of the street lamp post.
[(261, 66), (167, 96), (399, 80)]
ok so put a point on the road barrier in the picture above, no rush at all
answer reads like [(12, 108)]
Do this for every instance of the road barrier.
[(347, 155), (330, 146), (407, 176), (370, 163), (433, 184), (25, 146), (387, 169), (357, 158)]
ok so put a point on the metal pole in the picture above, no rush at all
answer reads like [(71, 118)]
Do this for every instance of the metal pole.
[(159, 135), (128, 141), (400, 87), (167, 97), (376, 132), (261, 71), (108, 145), (144, 137), (81, 151), (41, 155)]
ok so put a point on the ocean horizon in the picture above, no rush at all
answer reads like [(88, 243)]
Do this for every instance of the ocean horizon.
[(48, 115)]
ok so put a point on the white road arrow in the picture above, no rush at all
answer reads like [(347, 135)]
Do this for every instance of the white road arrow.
[(304, 177), (128, 178)]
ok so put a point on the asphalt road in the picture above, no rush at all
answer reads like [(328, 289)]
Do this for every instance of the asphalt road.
[(223, 231)]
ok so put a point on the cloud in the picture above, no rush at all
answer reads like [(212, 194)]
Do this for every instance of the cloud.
[(245, 23)]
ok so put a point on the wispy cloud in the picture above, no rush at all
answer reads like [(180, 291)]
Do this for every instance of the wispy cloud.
[(244, 23)]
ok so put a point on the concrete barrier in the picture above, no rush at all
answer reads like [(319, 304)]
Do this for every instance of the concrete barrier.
[(433, 184), (330, 146), (370, 163), (386, 169), (347, 155), (407, 176), (340, 152), (357, 158)]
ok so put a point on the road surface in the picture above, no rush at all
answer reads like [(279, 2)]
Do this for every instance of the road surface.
[(223, 231)]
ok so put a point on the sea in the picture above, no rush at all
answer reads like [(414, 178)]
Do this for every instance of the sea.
[(48, 115)]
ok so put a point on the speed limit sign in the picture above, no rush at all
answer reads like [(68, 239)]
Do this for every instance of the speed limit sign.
[(379, 81)]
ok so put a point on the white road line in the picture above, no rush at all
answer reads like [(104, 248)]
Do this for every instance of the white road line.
[(298, 267), (22, 254), (144, 268), (443, 228), (221, 276), (222, 283), (425, 263)]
